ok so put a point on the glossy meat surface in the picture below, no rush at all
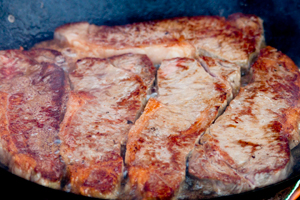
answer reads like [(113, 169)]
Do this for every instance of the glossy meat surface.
[(160, 141), (237, 39), (32, 99), (107, 97), (249, 145)]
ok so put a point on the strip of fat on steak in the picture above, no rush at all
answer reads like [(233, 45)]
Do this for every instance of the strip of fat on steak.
[(108, 96), (237, 39), (158, 144), (32, 96), (249, 145)]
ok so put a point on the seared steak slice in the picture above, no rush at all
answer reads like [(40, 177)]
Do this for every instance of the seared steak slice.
[(237, 39), (31, 95), (104, 41), (107, 98), (161, 139), (249, 145)]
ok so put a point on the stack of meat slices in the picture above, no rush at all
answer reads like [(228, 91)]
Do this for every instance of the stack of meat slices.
[(76, 112)]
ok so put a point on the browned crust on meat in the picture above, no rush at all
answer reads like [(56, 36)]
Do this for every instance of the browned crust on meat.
[(148, 182), (251, 26), (97, 179), (5, 155), (216, 171), (237, 39), (160, 180), (272, 102), (98, 35), (32, 107), (282, 78), (150, 109), (94, 168), (88, 178), (160, 141)]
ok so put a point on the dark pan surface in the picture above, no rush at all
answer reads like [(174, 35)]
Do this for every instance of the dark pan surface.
[(24, 23)]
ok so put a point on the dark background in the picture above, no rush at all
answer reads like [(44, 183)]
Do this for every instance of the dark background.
[(35, 20)]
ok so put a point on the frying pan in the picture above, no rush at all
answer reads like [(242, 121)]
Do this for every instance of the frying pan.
[(24, 23)]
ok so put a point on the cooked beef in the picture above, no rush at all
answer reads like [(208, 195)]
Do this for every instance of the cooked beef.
[(161, 139), (107, 97), (32, 96), (249, 145), (237, 39)]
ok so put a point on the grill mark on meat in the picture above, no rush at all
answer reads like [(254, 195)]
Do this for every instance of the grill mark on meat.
[(245, 143), (221, 87), (256, 147), (275, 126)]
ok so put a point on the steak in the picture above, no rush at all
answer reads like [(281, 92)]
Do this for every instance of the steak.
[(237, 39), (249, 145), (108, 96), (32, 96), (161, 139)]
